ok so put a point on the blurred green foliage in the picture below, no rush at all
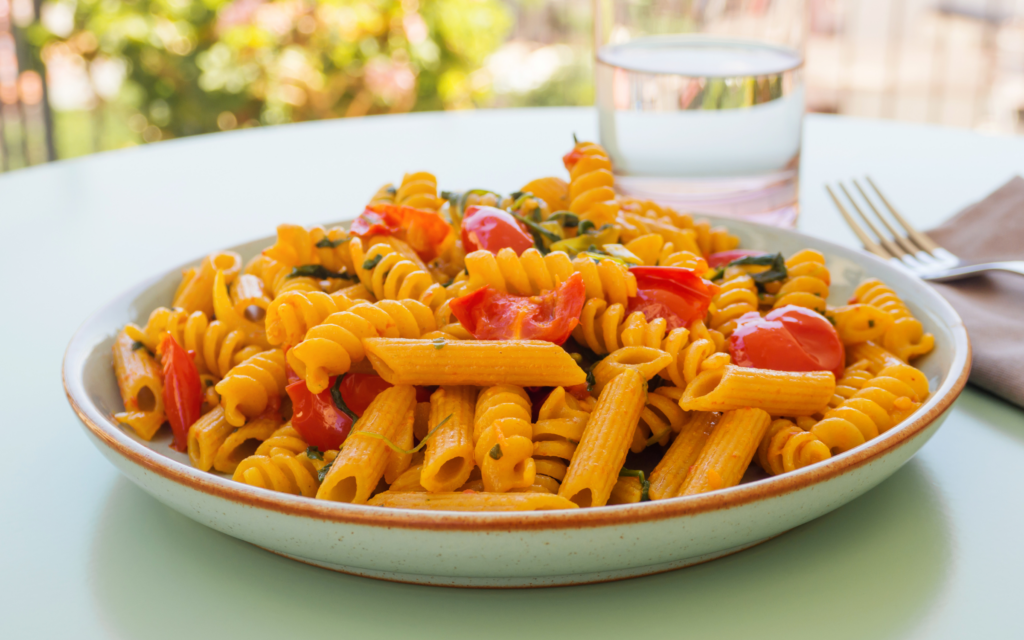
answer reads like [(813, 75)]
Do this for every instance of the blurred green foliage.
[(193, 66)]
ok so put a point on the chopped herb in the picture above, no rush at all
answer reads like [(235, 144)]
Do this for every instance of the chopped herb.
[(574, 140), (209, 382), (449, 283), (318, 271), (585, 226), (833, 320), (495, 452), (539, 233), (516, 195), (391, 190), (565, 218), (340, 402), (370, 263), (776, 268), (715, 273), (645, 486), (138, 345), (449, 195), (327, 243), (439, 343), (313, 453), (399, 449), (322, 473), (871, 324), (591, 380)]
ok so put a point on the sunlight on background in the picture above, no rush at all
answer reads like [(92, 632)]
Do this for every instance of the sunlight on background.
[(121, 72)]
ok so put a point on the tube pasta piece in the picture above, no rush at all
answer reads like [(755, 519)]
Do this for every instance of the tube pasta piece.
[(876, 357), (667, 478), (196, 294), (247, 389), (244, 442), (360, 463), (786, 447), (860, 322), (206, 436), (471, 501), (644, 360), (525, 363), (728, 451), (780, 393), (138, 378), (399, 461), (449, 458), (595, 466)]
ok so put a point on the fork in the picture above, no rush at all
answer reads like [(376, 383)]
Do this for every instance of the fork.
[(915, 251)]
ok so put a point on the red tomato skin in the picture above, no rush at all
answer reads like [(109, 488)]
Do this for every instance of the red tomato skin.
[(359, 389), (676, 294), (725, 257), (183, 392), (551, 316), (492, 229), (424, 230), (320, 423), (375, 220), (570, 159), (789, 338)]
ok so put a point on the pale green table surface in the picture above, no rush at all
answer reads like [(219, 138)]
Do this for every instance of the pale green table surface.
[(934, 552)]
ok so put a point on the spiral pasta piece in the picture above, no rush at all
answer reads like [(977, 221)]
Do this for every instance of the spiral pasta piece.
[(853, 380), (217, 347), (807, 282), (531, 273), (333, 346), (282, 464), (247, 388), (737, 296), (856, 323), (693, 352), (879, 405), (906, 337), (502, 433), (603, 328), (553, 191), (294, 313), (418, 190), (390, 275), (660, 418), (786, 447), (591, 193), (559, 427)]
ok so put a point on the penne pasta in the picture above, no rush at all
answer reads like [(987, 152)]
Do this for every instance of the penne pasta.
[(726, 455), (780, 393)]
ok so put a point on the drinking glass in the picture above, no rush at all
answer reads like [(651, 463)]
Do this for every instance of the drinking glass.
[(701, 102)]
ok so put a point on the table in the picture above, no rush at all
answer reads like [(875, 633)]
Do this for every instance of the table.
[(933, 552)]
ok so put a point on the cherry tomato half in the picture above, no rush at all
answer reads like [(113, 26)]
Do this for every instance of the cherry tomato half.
[(789, 338), (183, 392), (492, 229), (551, 316), (570, 159), (725, 257), (676, 294), (425, 231), (319, 419)]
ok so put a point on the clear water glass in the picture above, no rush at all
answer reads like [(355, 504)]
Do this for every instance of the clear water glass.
[(701, 102)]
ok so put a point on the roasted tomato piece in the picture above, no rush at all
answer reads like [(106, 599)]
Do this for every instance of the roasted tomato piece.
[(425, 231), (676, 294), (789, 338), (183, 392), (551, 316), (359, 389), (492, 229)]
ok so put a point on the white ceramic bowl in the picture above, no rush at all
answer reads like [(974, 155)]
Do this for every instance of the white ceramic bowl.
[(519, 549)]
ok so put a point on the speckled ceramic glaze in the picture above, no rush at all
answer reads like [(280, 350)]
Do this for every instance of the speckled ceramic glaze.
[(519, 549)]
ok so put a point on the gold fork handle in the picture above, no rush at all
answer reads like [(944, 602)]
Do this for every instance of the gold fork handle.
[(971, 270)]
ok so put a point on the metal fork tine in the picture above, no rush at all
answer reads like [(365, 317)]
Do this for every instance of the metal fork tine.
[(889, 245), (865, 239), (901, 240), (923, 241)]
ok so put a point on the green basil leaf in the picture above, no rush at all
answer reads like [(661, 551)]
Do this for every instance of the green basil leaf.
[(313, 453), (318, 271), (322, 473), (370, 263), (565, 218), (327, 243), (340, 402), (585, 226), (138, 345), (495, 452), (645, 486)]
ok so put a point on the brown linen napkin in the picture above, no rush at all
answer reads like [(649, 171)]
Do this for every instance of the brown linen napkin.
[(991, 305)]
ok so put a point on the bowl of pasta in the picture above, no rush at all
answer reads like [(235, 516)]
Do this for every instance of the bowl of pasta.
[(555, 386)]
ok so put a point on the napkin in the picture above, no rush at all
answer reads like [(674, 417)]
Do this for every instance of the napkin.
[(991, 305)]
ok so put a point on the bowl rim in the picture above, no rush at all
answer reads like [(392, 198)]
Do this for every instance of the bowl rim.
[(114, 437)]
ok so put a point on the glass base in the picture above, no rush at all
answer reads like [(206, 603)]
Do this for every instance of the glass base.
[(765, 199)]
